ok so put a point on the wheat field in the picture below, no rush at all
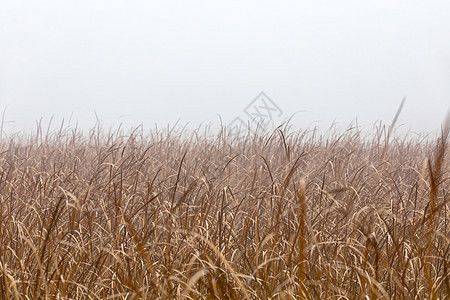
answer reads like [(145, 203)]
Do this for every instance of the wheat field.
[(173, 215)]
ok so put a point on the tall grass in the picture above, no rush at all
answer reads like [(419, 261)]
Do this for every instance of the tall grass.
[(284, 215)]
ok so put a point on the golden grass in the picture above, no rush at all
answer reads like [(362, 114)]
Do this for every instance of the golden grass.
[(286, 215)]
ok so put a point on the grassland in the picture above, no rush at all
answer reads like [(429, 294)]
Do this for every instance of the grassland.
[(170, 215)]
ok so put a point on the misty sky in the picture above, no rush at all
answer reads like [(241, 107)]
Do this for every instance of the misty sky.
[(156, 62)]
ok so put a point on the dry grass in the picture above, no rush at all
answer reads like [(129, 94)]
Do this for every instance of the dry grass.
[(286, 215)]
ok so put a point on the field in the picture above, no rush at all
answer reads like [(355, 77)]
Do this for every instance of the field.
[(167, 214)]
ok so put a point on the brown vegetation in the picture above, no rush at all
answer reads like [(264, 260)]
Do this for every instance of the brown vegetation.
[(284, 215)]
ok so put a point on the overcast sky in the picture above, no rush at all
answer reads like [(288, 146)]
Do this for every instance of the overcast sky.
[(156, 62)]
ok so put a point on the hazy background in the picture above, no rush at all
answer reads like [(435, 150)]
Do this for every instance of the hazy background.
[(156, 62)]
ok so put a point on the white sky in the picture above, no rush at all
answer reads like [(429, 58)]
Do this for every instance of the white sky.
[(146, 62)]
